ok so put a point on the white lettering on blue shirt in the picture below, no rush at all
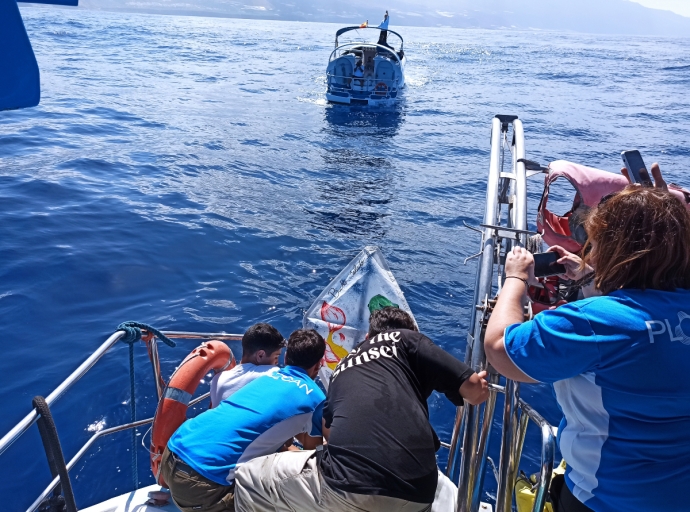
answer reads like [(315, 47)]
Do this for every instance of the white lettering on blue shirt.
[(665, 327)]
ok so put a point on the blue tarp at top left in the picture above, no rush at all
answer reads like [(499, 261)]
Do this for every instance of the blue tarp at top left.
[(20, 85)]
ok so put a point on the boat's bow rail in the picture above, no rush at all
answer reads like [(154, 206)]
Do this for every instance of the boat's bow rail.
[(351, 48), (504, 227), (149, 339)]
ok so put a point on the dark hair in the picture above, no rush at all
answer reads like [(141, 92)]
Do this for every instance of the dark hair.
[(305, 348), (261, 337), (388, 318), (642, 238)]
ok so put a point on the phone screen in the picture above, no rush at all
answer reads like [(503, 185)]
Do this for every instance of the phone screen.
[(545, 264), (637, 170)]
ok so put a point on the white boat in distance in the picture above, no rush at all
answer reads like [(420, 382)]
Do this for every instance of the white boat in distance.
[(366, 73)]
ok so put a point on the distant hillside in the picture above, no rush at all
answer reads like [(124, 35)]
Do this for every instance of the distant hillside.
[(596, 16)]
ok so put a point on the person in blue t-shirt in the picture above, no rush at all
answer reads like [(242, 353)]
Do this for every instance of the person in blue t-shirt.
[(618, 359), (202, 456)]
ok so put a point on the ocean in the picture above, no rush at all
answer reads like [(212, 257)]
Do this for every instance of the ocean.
[(188, 173)]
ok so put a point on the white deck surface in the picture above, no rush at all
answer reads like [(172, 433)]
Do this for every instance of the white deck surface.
[(136, 502), (133, 502)]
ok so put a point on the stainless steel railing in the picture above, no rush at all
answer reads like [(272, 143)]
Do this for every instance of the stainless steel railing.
[(23, 426), (362, 84), (338, 51), (504, 226)]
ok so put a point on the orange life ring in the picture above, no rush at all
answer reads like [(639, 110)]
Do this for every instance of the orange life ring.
[(172, 408), (381, 89)]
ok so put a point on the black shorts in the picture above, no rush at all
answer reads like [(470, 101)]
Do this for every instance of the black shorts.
[(563, 499)]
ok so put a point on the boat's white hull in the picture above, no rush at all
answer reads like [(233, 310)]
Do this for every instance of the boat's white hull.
[(349, 100)]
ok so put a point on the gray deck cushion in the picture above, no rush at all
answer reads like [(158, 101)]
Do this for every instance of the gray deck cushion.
[(385, 72)]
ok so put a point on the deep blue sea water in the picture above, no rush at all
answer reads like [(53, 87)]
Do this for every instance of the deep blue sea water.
[(187, 172)]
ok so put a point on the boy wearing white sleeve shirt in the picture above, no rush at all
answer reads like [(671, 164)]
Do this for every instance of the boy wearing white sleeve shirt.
[(261, 346)]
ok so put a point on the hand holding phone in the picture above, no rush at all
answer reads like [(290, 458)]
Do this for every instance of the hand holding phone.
[(545, 264), (637, 171)]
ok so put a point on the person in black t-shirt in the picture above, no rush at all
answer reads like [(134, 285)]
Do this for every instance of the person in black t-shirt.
[(380, 450)]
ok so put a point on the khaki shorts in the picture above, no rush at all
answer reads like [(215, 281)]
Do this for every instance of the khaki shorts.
[(193, 492), (291, 482)]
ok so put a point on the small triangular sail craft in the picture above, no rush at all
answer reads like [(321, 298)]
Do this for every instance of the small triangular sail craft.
[(341, 312)]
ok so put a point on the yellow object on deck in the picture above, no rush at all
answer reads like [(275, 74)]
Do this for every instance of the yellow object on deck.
[(525, 492)]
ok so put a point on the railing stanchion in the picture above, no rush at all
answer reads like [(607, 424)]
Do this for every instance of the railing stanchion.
[(453, 467), (548, 451), (484, 439), (468, 458), (156, 365), (509, 441)]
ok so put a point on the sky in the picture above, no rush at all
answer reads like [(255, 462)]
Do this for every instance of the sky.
[(681, 7)]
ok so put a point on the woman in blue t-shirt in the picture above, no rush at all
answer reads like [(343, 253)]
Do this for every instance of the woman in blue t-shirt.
[(618, 360)]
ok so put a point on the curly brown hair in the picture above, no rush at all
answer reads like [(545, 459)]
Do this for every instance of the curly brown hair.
[(639, 238)]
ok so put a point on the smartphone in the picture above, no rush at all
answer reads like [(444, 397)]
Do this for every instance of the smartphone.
[(636, 168), (545, 264)]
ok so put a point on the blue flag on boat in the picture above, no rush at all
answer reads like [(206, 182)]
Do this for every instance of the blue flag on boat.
[(384, 24)]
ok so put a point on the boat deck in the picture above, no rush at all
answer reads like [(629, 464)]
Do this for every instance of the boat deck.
[(134, 501)]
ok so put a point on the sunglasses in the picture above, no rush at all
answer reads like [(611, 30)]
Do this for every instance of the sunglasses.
[(606, 198)]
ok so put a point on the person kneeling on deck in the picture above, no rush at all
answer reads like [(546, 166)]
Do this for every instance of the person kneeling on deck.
[(381, 449), (261, 346), (203, 455)]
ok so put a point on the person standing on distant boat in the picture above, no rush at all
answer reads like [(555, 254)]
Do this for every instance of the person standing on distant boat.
[(203, 455), (384, 24), (381, 449), (383, 36), (358, 73), (261, 346)]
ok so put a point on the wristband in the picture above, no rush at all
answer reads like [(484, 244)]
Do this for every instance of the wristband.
[(516, 277)]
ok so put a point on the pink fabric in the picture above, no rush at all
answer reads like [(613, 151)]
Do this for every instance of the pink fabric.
[(590, 185)]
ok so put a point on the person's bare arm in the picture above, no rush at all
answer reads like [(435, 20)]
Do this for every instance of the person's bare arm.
[(475, 390), (509, 310)]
